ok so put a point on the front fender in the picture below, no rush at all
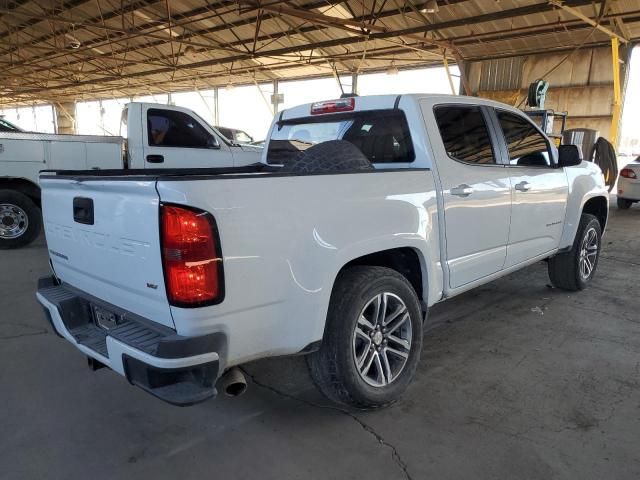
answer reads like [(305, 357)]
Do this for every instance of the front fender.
[(586, 181)]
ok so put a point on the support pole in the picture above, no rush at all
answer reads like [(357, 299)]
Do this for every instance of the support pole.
[(354, 83), (617, 95), (66, 117), (216, 107), (446, 68), (275, 96)]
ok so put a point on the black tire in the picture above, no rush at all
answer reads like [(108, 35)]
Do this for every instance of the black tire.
[(565, 268), (333, 367), (13, 207), (624, 204), (327, 157)]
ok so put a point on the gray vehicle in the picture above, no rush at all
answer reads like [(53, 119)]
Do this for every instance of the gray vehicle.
[(236, 135)]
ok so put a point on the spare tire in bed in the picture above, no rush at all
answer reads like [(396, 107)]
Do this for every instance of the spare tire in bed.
[(331, 156)]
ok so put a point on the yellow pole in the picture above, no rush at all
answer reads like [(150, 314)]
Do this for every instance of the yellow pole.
[(446, 67), (617, 96)]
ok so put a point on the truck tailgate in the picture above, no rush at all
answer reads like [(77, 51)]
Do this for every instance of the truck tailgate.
[(103, 238)]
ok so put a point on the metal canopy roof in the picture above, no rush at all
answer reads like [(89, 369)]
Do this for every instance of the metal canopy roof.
[(78, 49)]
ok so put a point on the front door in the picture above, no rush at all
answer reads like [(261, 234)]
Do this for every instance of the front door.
[(539, 190), (476, 192), (175, 138)]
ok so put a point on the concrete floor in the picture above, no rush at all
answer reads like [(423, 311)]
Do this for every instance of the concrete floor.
[(517, 380)]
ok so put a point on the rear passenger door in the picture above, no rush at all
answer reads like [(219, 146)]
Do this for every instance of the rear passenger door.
[(476, 192), (173, 138), (539, 189)]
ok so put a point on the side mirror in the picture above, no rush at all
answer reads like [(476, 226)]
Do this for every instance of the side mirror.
[(569, 155)]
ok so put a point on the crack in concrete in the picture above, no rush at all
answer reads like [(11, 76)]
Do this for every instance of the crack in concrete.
[(10, 337), (34, 331), (395, 455), (621, 260)]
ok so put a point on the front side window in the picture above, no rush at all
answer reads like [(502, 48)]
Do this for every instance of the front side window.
[(526, 145), (381, 135), (464, 134), (169, 128)]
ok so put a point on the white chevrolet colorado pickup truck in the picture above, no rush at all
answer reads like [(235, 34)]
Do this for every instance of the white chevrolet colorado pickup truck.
[(153, 136), (364, 212)]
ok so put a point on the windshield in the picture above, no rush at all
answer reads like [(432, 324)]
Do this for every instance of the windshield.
[(225, 132), (381, 135)]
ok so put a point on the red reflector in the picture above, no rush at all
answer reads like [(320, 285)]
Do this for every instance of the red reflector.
[(332, 106), (191, 257), (628, 173)]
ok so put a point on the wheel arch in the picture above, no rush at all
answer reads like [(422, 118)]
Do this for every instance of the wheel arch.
[(22, 185), (407, 261), (599, 208)]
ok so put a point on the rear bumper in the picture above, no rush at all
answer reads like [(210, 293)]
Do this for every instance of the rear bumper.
[(180, 370), (628, 189)]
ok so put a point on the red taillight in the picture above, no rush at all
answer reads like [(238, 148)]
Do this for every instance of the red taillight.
[(191, 257), (628, 173), (332, 106)]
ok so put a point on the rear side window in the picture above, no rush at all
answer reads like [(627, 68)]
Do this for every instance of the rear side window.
[(527, 146), (168, 128), (381, 135), (464, 134)]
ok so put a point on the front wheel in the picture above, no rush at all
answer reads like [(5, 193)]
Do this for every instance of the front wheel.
[(624, 204), (573, 270), (372, 341), (20, 219)]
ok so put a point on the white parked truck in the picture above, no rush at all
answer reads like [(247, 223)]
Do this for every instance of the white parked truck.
[(364, 213), (154, 136)]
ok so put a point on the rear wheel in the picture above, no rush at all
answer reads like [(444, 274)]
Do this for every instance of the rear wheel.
[(573, 270), (372, 340), (20, 219), (624, 204)]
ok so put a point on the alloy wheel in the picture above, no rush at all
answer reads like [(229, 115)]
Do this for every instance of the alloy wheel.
[(382, 339), (588, 253)]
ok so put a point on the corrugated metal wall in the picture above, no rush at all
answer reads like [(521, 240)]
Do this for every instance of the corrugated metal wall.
[(581, 84), (501, 74)]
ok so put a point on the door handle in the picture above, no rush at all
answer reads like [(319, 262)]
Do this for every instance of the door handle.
[(155, 158), (463, 190), (523, 186)]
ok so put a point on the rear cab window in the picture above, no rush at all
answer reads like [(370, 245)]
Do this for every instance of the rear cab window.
[(381, 135)]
